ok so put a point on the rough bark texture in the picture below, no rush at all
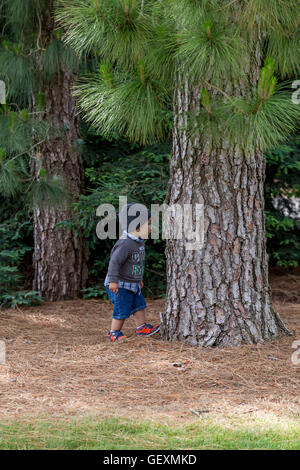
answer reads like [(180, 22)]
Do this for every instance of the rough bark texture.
[(60, 259), (219, 295)]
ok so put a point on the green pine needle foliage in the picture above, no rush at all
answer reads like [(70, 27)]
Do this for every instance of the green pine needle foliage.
[(17, 73), (84, 29), (285, 49), (279, 22), (31, 49), (135, 105), (253, 124), (210, 49), (10, 177), (24, 15), (162, 50), (48, 191), (19, 130), (266, 127), (32, 54), (206, 40), (90, 26), (281, 15), (203, 43), (57, 58)]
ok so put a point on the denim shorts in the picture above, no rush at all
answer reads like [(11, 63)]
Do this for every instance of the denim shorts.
[(125, 302)]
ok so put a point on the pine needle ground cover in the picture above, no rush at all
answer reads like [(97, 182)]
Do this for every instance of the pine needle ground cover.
[(64, 386)]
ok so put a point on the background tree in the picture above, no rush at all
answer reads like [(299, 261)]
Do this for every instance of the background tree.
[(217, 62), (40, 123), (282, 197)]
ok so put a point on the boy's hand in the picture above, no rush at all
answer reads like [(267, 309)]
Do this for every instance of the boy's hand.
[(113, 286), (142, 284)]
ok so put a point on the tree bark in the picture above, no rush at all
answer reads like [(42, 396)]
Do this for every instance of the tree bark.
[(60, 259), (219, 295)]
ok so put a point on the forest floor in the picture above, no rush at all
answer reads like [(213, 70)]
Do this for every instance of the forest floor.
[(60, 363)]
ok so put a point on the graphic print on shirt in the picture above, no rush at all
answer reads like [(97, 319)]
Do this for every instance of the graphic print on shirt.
[(137, 270), (138, 259)]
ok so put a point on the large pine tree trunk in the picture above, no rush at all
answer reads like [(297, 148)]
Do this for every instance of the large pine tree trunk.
[(218, 295), (60, 259)]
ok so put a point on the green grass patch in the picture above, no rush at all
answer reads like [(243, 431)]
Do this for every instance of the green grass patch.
[(120, 433)]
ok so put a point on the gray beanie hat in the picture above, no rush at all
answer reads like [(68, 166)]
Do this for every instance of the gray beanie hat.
[(130, 212)]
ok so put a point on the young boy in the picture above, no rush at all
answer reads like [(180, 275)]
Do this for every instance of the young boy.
[(124, 279)]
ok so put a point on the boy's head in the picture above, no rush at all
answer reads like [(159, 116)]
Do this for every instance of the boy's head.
[(135, 217)]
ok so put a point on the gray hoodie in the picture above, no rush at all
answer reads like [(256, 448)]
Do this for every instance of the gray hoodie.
[(127, 260)]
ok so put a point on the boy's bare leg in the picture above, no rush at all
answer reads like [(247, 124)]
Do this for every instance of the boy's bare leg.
[(140, 317), (116, 324)]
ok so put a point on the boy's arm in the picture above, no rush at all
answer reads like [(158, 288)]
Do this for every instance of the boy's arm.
[(118, 257)]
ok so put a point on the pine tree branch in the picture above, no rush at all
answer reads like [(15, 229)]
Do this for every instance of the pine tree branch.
[(227, 5), (39, 33), (224, 94), (28, 151)]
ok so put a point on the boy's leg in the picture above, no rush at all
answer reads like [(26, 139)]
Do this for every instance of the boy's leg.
[(143, 328), (140, 317), (122, 308), (116, 324)]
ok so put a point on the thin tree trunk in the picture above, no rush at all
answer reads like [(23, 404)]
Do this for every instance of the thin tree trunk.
[(60, 259), (219, 295)]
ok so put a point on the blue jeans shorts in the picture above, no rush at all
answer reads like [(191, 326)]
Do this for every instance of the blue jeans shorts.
[(125, 302)]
